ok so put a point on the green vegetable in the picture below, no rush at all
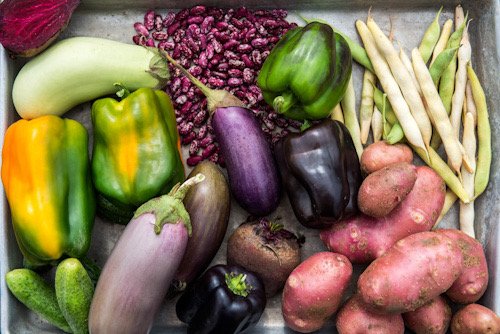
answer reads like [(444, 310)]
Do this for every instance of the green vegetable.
[(32, 290), (441, 63), (74, 291), (307, 72), (136, 152), (46, 177), (80, 69), (483, 134), (431, 37), (358, 52)]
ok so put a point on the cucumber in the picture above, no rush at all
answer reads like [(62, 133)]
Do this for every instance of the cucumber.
[(80, 69), (34, 292), (74, 291)]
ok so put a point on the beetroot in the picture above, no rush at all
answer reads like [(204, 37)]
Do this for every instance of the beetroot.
[(267, 249), (27, 27)]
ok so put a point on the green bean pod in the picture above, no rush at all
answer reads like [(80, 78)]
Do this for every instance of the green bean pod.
[(447, 82), (396, 134), (483, 134), (441, 167), (378, 98), (431, 37), (442, 61)]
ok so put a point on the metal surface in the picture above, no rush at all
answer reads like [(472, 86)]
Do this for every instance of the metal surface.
[(114, 19)]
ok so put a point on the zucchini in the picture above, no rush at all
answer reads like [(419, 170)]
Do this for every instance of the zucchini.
[(79, 69), (34, 292), (74, 291)]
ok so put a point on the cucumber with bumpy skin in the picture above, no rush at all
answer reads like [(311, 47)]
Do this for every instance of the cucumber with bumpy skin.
[(74, 291), (34, 292), (80, 69)]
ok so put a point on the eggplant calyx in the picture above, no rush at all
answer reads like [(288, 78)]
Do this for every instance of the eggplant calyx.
[(237, 284), (169, 209)]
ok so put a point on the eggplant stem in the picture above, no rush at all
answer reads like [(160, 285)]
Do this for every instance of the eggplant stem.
[(179, 192), (216, 98)]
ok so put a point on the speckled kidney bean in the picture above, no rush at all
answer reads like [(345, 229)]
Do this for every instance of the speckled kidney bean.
[(206, 141), (187, 139), (181, 99), (195, 70), (186, 107), (137, 39), (256, 57), (247, 61), (222, 36), (216, 45), (244, 48), (141, 29), (166, 45), (200, 117), (236, 63), (230, 55), (208, 151), (173, 27), (210, 51), (234, 72), (195, 19), (234, 82), (159, 35), (198, 10), (182, 14), (232, 43), (168, 19), (248, 76), (207, 24), (259, 43), (185, 84), (194, 160), (216, 82), (222, 67), (150, 42), (202, 132), (194, 147), (202, 60), (149, 19), (185, 128), (221, 75)]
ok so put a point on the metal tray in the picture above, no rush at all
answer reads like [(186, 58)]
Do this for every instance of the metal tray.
[(114, 19)]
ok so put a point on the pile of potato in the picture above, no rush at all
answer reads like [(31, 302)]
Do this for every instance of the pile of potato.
[(413, 273)]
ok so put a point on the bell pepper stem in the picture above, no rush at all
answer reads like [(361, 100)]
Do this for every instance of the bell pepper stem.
[(284, 102), (237, 284)]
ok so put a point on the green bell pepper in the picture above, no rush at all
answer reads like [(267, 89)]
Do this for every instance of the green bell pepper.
[(306, 74), (46, 177), (136, 152)]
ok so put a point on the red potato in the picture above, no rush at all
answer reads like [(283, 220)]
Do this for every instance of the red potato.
[(313, 291), (475, 319), (363, 239), (473, 281), (432, 318), (410, 274), (381, 154), (383, 190), (355, 318)]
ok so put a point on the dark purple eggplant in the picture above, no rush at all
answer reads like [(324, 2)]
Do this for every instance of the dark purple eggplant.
[(208, 204), (138, 273), (251, 168)]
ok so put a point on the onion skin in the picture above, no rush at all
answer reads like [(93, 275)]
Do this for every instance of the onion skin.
[(251, 168), (136, 277), (27, 27), (208, 204)]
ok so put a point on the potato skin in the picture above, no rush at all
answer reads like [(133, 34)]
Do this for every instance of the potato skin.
[(362, 238), (383, 190), (411, 273), (432, 318), (313, 291), (475, 319), (381, 154), (355, 318), (473, 281)]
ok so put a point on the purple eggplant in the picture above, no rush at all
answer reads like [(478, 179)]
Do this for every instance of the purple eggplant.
[(250, 164), (251, 168), (138, 273), (208, 205)]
